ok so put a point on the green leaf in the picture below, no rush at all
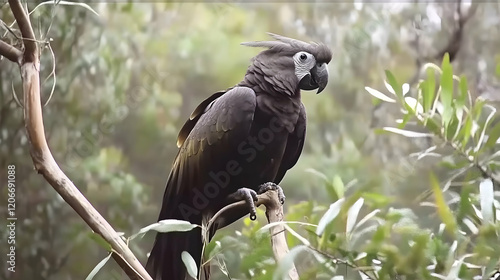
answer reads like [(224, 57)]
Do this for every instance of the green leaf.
[(414, 105), (100, 241), (166, 226), (465, 205), (265, 229), (98, 267), (493, 136), (486, 197), (190, 264), (406, 133), (379, 95), (464, 92), (352, 215), (330, 214), (429, 89), (444, 211), (484, 127), (338, 186), (406, 118), (466, 131), (446, 95), (367, 217), (391, 80), (378, 200)]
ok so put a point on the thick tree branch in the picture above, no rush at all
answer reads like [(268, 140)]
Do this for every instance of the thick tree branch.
[(274, 213), (45, 163), (10, 52), (23, 21)]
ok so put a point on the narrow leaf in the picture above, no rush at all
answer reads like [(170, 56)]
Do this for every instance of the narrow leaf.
[(379, 95), (493, 136), (367, 217), (99, 240), (464, 92), (446, 96), (166, 226), (190, 264), (486, 196), (430, 88), (352, 215), (338, 186), (330, 214), (442, 207), (414, 105), (485, 126), (406, 88), (394, 84), (98, 267), (407, 133)]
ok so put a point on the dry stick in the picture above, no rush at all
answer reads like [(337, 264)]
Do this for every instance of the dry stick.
[(274, 213), (44, 161)]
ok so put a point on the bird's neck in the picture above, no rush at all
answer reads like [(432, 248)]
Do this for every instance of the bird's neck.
[(264, 83)]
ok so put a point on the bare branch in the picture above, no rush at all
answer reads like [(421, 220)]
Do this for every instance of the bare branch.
[(45, 163), (23, 21), (10, 52), (274, 213)]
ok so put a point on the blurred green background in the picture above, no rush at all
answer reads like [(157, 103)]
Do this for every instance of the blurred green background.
[(128, 78)]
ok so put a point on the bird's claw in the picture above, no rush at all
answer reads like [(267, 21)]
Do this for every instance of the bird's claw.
[(272, 186), (250, 197)]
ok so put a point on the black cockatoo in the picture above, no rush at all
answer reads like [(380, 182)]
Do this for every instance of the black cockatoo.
[(237, 143)]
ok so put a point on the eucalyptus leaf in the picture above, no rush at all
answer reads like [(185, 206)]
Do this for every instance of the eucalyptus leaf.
[(191, 267), (486, 196), (429, 89), (391, 80), (444, 211), (407, 133), (352, 215), (98, 267), (379, 95), (165, 226), (493, 135), (446, 95), (329, 216)]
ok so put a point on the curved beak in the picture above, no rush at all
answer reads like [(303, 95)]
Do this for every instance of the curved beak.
[(319, 75)]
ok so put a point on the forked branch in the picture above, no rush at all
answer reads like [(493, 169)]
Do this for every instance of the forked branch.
[(43, 160)]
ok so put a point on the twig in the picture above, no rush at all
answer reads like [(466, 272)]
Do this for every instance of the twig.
[(274, 213), (339, 261), (10, 52), (45, 163)]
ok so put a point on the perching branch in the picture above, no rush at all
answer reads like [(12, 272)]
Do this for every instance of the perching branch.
[(43, 160), (274, 213)]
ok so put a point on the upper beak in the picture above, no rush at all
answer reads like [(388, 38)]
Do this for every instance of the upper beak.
[(320, 75)]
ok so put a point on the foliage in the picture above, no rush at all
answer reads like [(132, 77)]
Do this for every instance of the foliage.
[(128, 78), (360, 236)]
